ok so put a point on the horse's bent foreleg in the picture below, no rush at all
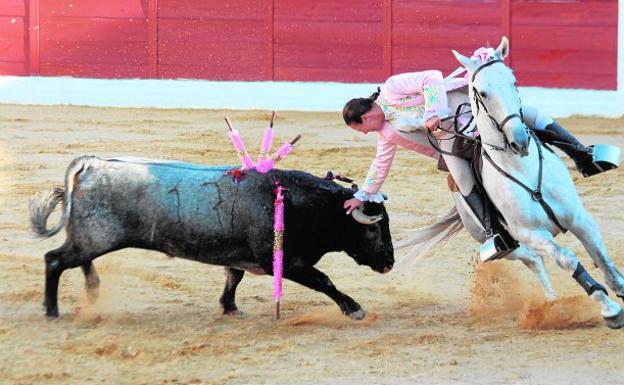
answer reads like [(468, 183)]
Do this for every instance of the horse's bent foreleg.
[(543, 243), (535, 263), (588, 232)]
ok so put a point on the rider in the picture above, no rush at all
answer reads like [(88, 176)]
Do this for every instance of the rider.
[(410, 103)]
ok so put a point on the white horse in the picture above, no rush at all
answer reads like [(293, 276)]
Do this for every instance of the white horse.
[(530, 186)]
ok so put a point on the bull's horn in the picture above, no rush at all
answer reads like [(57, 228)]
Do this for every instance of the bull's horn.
[(359, 216)]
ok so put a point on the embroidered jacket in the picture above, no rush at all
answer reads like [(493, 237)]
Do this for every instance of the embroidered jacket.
[(408, 100)]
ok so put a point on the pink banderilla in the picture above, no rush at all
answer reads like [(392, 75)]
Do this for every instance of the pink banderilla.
[(243, 155), (267, 140), (266, 165), (278, 247)]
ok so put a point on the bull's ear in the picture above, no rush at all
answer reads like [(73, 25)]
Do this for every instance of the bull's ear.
[(502, 51), (467, 62)]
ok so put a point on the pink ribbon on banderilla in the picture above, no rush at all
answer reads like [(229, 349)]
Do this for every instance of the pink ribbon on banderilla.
[(264, 165), (241, 151), (267, 140), (278, 247)]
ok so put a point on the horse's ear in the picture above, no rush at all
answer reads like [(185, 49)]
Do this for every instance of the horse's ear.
[(467, 62), (503, 48)]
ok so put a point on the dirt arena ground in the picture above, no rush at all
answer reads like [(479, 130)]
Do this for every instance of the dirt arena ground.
[(442, 319)]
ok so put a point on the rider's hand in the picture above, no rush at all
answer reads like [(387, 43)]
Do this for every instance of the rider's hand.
[(432, 123), (352, 204)]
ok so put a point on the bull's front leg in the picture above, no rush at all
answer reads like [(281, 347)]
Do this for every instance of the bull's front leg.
[(317, 280)]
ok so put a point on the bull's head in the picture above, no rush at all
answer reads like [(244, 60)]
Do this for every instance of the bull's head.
[(368, 237)]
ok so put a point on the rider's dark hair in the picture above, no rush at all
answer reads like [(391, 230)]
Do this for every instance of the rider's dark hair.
[(355, 108)]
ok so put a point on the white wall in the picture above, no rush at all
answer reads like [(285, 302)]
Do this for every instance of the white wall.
[(276, 95)]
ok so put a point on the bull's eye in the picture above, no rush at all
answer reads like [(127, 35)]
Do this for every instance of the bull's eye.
[(483, 94)]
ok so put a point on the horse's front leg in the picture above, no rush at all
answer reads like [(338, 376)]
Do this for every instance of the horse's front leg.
[(588, 232), (542, 242), (535, 263)]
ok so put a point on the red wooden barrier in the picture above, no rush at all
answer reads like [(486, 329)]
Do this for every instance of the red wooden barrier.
[(570, 43), (211, 40), (13, 38), (93, 38), (329, 40), (424, 32), (565, 44)]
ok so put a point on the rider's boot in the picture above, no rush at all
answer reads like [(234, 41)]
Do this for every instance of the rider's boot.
[(589, 160), (498, 241)]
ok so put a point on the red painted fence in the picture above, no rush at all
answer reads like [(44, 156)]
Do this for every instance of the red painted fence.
[(570, 44)]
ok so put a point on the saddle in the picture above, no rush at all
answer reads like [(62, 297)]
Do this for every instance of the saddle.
[(462, 148), (468, 150)]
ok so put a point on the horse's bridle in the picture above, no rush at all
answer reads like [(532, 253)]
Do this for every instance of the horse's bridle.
[(536, 194), (480, 104)]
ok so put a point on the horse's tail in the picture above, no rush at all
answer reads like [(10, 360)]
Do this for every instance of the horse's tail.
[(423, 239), (42, 205)]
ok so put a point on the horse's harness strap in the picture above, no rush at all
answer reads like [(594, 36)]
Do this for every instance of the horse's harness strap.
[(481, 104), (536, 194), (487, 64), (508, 118)]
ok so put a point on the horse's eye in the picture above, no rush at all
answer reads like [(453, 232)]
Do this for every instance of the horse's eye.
[(483, 94)]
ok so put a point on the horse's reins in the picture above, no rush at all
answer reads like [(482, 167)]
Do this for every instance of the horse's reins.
[(536, 194), (458, 132)]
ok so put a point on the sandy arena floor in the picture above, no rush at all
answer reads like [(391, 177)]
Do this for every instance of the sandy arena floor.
[(440, 319)]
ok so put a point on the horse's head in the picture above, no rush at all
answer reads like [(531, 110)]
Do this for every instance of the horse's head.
[(495, 99)]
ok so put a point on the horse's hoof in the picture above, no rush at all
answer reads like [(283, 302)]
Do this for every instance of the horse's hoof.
[(358, 315), (620, 296), (616, 321)]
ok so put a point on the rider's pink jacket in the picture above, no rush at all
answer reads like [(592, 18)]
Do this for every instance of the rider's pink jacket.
[(407, 100)]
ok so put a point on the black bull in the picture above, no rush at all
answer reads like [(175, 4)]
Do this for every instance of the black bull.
[(198, 213)]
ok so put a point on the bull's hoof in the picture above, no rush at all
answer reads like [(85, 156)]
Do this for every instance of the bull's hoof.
[(92, 294), (52, 314), (357, 315), (620, 296), (616, 321), (232, 312)]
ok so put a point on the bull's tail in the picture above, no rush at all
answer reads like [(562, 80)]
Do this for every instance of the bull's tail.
[(42, 205), (423, 239)]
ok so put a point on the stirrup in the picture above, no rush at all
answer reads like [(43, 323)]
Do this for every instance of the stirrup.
[(604, 158), (496, 247)]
